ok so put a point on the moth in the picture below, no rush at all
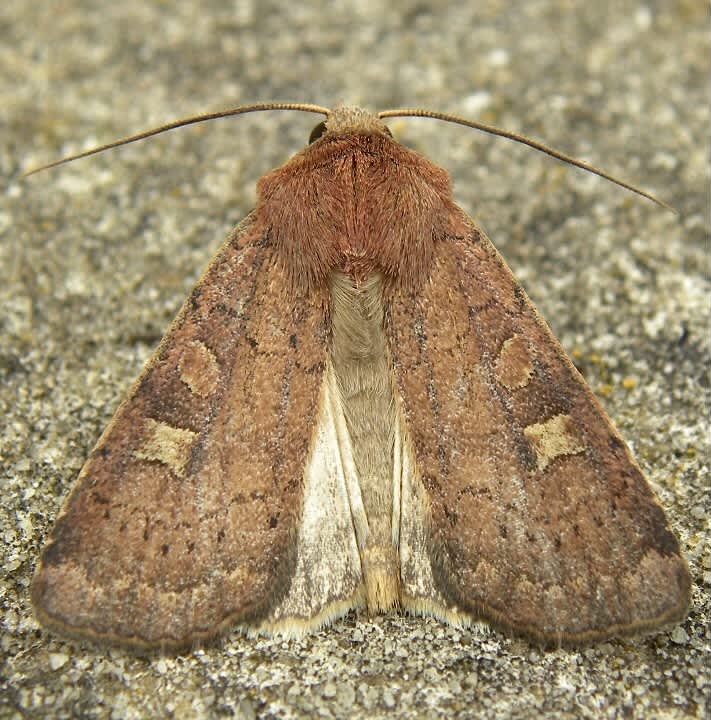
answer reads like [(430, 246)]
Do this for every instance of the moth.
[(358, 407)]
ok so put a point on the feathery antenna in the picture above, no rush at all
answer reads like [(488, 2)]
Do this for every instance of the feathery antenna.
[(523, 139), (240, 110)]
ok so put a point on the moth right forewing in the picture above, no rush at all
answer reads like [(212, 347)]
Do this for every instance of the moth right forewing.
[(540, 520), (181, 522)]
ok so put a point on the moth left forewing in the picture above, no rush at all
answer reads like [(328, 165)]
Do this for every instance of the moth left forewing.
[(182, 520), (539, 519)]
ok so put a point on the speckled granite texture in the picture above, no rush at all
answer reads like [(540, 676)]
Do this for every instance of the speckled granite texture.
[(96, 258)]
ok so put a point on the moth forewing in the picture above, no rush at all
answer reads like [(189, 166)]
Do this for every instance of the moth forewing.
[(181, 522), (358, 406), (540, 521)]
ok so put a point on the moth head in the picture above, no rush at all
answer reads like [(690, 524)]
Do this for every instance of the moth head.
[(342, 120)]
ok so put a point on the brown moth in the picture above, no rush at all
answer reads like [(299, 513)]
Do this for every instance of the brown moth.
[(358, 407)]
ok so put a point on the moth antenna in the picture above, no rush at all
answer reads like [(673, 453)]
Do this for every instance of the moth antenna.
[(523, 139), (239, 110)]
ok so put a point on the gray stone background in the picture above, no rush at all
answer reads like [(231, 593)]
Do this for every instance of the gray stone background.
[(96, 258)]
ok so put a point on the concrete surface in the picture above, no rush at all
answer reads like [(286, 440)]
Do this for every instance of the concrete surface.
[(96, 258)]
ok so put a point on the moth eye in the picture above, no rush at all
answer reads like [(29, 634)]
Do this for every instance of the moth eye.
[(316, 133)]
